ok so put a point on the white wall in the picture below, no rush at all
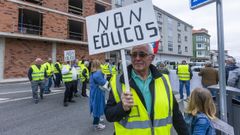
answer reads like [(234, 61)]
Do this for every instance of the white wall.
[(2, 53)]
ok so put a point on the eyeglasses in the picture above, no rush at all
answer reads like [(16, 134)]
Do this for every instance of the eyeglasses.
[(140, 54)]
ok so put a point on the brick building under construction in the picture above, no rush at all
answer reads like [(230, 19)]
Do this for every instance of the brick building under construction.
[(43, 28)]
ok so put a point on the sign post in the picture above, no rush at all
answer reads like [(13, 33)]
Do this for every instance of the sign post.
[(122, 28), (220, 36)]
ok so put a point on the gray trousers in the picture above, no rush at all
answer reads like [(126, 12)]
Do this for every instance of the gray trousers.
[(35, 85)]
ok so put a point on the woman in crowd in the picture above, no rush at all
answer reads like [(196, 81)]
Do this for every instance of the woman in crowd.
[(201, 110), (98, 85)]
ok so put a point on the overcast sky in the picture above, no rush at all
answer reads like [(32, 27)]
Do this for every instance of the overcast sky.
[(205, 17)]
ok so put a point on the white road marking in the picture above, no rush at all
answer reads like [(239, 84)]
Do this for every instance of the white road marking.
[(2, 99), (23, 91), (15, 92), (24, 98)]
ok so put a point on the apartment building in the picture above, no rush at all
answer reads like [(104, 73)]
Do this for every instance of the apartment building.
[(176, 35), (201, 45), (43, 28)]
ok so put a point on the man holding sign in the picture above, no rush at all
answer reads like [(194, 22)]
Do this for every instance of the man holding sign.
[(150, 106)]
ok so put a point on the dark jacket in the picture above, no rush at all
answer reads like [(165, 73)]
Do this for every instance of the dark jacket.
[(229, 68), (114, 111), (209, 76)]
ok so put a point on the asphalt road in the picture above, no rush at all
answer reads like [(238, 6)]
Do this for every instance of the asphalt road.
[(20, 116)]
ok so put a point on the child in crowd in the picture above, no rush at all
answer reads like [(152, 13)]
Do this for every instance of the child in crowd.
[(201, 110)]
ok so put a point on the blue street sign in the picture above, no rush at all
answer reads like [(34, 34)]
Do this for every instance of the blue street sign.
[(199, 3)]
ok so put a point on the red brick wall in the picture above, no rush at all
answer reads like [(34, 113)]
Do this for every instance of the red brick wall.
[(55, 26), (19, 55), (80, 50), (61, 5), (9, 16)]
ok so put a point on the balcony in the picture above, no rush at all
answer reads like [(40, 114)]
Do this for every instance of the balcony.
[(75, 30), (75, 7), (30, 22)]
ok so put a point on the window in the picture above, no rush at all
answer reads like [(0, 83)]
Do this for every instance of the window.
[(99, 8), (75, 7), (39, 2), (199, 45), (119, 3), (185, 27), (179, 26), (179, 49), (186, 49), (75, 30), (179, 38), (170, 46), (199, 53), (160, 30), (159, 18), (185, 38), (30, 22)]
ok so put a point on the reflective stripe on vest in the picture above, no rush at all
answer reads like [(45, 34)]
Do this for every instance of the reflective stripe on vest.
[(37, 74), (141, 123), (67, 77), (183, 72)]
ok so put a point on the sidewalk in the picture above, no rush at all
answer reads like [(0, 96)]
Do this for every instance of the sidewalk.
[(14, 80)]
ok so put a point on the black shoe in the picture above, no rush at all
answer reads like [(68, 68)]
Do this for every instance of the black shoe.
[(72, 101), (65, 104), (84, 95), (76, 95), (41, 96), (36, 101), (46, 92)]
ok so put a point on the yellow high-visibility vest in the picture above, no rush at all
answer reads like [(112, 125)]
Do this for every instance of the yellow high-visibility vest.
[(55, 69), (114, 70), (105, 69), (49, 68), (183, 72), (37, 74), (138, 121), (87, 73), (67, 77)]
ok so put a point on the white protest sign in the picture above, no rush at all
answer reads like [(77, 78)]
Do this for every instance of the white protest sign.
[(69, 55), (122, 27)]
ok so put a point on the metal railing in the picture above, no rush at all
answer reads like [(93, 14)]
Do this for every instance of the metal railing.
[(75, 35), (25, 28), (75, 10)]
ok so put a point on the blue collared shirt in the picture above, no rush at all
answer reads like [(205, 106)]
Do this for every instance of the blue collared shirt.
[(143, 86)]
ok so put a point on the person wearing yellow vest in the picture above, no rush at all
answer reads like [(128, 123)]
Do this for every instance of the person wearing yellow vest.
[(57, 73), (49, 69), (185, 75), (67, 77), (37, 75), (150, 107), (114, 69), (106, 69), (84, 77)]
